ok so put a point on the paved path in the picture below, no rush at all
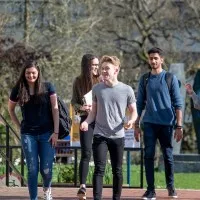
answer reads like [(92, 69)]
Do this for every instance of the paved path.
[(21, 193)]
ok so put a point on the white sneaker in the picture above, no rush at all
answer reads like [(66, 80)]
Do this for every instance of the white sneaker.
[(47, 195)]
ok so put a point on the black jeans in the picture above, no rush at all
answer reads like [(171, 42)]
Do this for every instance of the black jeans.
[(164, 134), (86, 150), (101, 146)]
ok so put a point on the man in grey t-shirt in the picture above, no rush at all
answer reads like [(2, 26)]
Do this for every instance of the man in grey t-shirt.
[(110, 100)]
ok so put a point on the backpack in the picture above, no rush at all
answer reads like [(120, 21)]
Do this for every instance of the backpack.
[(168, 79), (65, 121)]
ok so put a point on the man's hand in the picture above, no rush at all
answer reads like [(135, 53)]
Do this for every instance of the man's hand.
[(137, 133), (129, 124), (84, 126), (178, 135)]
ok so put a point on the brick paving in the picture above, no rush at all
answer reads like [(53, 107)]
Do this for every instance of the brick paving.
[(21, 193)]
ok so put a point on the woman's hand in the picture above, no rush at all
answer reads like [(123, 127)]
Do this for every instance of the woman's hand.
[(53, 139), (84, 126), (189, 89)]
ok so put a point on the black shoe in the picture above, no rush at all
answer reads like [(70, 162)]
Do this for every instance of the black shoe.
[(81, 193), (149, 195), (172, 193)]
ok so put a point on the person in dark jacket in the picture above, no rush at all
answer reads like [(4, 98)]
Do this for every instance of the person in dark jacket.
[(195, 107)]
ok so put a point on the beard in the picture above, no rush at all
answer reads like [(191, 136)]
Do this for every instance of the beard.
[(154, 67)]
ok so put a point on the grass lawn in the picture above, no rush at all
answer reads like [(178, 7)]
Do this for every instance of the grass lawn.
[(182, 180), (64, 173)]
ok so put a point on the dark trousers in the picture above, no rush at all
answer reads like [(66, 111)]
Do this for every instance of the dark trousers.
[(164, 134), (101, 146), (86, 151)]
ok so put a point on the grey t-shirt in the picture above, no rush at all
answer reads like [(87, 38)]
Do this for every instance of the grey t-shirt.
[(111, 108)]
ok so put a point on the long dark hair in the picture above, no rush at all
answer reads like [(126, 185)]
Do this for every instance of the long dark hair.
[(23, 87), (86, 80)]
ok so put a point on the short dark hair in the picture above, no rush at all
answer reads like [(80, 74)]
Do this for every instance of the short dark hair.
[(156, 50)]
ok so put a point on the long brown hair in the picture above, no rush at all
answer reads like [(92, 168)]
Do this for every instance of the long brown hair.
[(86, 79), (23, 87)]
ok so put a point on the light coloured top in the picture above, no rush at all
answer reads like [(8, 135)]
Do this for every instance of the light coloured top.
[(111, 108)]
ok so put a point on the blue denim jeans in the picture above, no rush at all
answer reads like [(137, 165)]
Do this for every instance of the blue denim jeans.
[(39, 155), (101, 145), (164, 134)]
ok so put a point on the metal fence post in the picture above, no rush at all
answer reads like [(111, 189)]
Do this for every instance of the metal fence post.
[(141, 167), (22, 167), (75, 167), (128, 167)]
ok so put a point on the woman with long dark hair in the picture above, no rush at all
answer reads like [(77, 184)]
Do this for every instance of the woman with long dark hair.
[(39, 126), (82, 85)]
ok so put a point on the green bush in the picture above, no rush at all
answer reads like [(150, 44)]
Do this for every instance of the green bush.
[(2, 169), (63, 173)]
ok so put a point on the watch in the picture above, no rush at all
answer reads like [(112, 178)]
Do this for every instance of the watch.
[(178, 126)]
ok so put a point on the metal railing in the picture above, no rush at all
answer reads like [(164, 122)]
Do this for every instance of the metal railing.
[(8, 154), (10, 166), (127, 149)]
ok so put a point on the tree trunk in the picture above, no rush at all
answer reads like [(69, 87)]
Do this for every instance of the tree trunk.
[(26, 20)]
